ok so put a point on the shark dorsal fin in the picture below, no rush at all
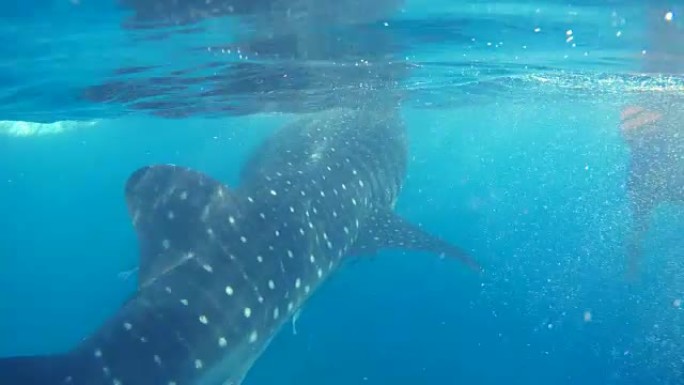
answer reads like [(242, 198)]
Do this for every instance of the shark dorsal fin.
[(175, 210), (387, 230)]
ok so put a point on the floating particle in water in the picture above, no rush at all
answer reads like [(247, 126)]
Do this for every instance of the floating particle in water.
[(677, 303), (537, 30), (669, 16), (587, 316), (618, 34)]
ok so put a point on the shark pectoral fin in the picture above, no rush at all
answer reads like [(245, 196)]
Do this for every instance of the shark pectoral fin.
[(388, 230), (173, 210)]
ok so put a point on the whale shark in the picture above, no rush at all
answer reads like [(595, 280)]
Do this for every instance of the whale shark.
[(222, 269)]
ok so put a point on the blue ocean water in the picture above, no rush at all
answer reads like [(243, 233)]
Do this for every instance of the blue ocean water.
[(513, 114)]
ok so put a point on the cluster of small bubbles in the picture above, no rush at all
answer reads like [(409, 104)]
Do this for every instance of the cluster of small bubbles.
[(617, 23), (570, 37), (228, 51)]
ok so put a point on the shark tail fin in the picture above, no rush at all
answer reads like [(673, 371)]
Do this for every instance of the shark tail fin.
[(34, 370)]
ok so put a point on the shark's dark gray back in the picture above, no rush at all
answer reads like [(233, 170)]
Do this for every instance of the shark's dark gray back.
[(359, 145)]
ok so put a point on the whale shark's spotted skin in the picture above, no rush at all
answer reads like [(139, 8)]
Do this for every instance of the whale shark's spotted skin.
[(221, 270)]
